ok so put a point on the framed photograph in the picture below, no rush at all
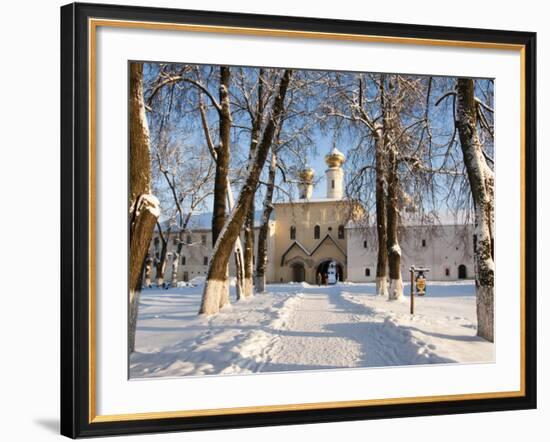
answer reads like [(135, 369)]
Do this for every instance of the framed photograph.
[(274, 220)]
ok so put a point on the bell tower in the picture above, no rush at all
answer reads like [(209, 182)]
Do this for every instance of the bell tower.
[(335, 174)]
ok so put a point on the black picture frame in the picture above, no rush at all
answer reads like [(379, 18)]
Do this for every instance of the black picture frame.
[(75, 221)]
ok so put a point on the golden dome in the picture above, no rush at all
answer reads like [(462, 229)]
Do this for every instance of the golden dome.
[(306, 174), (335, 158)]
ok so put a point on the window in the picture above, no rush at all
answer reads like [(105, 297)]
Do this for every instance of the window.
[(475, 244), (340, 231), (365, 244), (367, 272), (183, 260), (205, 260), (188, 239), (292, 232), (157, 240), (203, 240), (317, 232), (423, 243), (461, 271), (332, 184), (447, 272)]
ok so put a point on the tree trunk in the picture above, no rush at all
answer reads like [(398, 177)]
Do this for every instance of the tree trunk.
[(248, 283), (217, 270), (221, 180), (239, 275), (222, 157), (390, 124), (161, 261), (394, 251), (144, 208), (148, 268), (238, 257), (257, 118), (261, 262), (381, 226), (481, 180), (175, 266)]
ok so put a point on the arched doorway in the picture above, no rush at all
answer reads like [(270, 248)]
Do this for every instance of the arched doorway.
[(323, 269), (461, 271), (298, 272)]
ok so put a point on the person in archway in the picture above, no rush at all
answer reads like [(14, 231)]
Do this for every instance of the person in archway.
[(318, 279)]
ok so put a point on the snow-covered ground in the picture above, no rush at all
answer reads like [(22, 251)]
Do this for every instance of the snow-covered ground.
[(302, 327)]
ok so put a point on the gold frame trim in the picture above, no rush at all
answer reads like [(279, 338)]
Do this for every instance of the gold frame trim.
[(93, 24)]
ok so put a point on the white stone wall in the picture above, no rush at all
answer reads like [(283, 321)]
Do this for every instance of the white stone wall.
[(439, 248), (196, 252), (445, 247)]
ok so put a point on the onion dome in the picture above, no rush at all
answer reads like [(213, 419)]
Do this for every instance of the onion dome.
[(306, 174), (335, 158)]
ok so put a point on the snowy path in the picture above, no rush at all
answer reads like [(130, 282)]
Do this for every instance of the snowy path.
[(330, 329), (311, 336), (300, 327)]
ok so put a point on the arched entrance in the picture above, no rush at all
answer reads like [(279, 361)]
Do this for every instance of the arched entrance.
[(461, 271), (322, 269), (298, 272)]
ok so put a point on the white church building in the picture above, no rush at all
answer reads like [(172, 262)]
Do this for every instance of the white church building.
[(307, 234)]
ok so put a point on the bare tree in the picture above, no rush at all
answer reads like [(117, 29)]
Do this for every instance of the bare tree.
[(383, 114), (216, 282), (481, 179), (143, 206), (188, 172), (237, 249), (390, 116)]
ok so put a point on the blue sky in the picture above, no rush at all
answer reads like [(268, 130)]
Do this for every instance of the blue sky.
[(323, 140)]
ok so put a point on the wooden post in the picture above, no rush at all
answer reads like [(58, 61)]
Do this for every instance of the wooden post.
[(412, 290)]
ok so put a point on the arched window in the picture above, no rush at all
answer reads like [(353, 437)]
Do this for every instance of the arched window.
[(183, 260), (292, 232), (317, 232), (340, 231), (367, 272), (447, 272), (462, 271), (365, 244)]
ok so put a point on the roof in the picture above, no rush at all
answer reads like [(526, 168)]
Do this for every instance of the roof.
[(203, 221), (311, 200), (428, 220), (328, 237)]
